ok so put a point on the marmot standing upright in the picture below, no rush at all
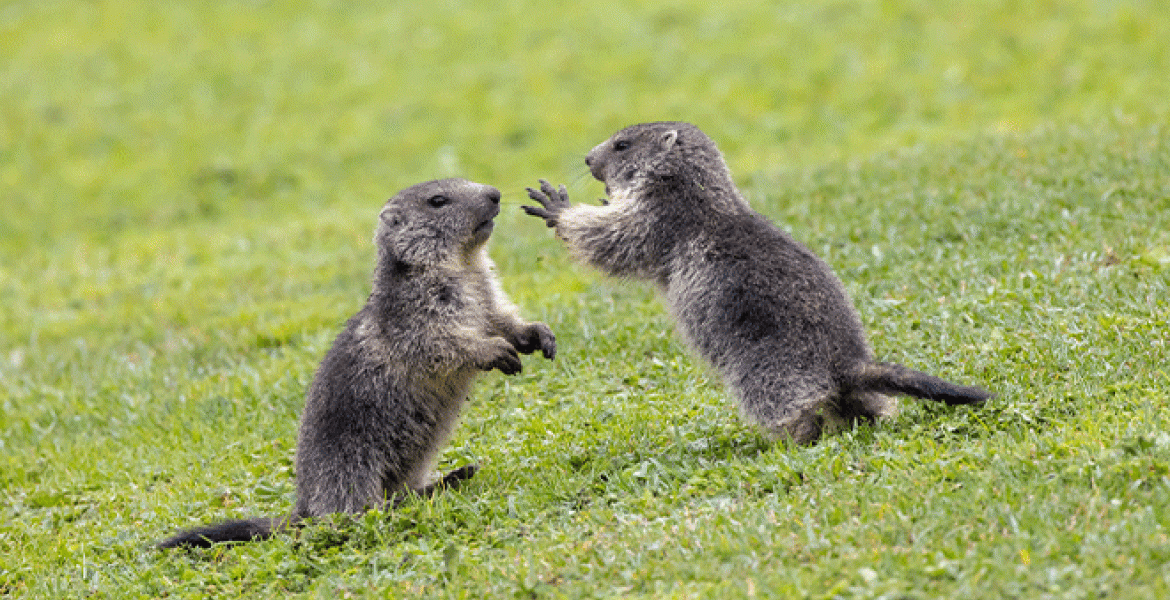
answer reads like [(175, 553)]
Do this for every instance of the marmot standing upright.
[(767, 312), (389, 391)]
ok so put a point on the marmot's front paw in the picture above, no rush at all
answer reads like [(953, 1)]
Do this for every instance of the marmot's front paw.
[(553, 200), (538, 336), (502, 356)]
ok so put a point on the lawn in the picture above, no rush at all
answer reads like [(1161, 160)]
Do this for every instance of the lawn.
[(187, 197)]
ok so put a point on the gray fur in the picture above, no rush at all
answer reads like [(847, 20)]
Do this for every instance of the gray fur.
[(389, 391), (761, 307)]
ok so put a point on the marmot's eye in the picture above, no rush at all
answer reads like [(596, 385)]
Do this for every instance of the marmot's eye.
[(621, 145), (437, 201)]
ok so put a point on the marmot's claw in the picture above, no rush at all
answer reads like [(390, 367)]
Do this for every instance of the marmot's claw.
[(549, 219), (554, 199), (552, 202), (548, 346), (508, 363), (543, 197), (558, 196), (548, 189), (535, 195)]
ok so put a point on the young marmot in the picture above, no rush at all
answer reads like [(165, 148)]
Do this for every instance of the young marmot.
[(767, 312), (389, 391)]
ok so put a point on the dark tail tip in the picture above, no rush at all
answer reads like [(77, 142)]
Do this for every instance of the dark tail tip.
[(895, 379), (963, 394), (227, 532)]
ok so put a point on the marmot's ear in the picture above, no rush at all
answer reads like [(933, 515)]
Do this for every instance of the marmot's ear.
[(668, 139), (402, 238), (389, 235)]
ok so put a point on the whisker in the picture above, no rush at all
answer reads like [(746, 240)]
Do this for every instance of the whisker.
[(579, 177)]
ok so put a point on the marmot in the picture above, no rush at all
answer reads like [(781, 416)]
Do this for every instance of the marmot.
[(761, 307), (389, 391)]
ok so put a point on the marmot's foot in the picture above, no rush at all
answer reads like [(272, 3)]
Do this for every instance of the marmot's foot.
[(503, 356), (537, 336), (457, 476)]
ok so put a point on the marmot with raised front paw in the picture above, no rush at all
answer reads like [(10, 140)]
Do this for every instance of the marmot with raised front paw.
[(390, 389), (761, 307)]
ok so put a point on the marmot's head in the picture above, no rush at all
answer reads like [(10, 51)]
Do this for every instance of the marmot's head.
[(436, 221), (655, 153)]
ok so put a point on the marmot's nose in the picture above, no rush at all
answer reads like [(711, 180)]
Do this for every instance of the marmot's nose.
[(588, 161), (494, 195)]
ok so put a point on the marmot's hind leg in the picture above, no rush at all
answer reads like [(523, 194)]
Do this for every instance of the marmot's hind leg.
[(791, 410), (865, 406), (804, 428)]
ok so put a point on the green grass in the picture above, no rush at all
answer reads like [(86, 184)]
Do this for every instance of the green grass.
[(188, 195)]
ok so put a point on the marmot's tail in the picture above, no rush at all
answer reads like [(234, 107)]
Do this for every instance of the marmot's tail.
[(890, 378), (229, 531)]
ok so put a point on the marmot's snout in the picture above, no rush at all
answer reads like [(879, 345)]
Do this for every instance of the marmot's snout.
[(490, 197), (484, 196), (597, 169), (596, 166)]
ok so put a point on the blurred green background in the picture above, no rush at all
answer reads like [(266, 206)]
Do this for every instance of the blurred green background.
[(124, 115)]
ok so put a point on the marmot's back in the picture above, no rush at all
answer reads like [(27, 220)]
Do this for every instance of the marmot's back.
[(773, 300)]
